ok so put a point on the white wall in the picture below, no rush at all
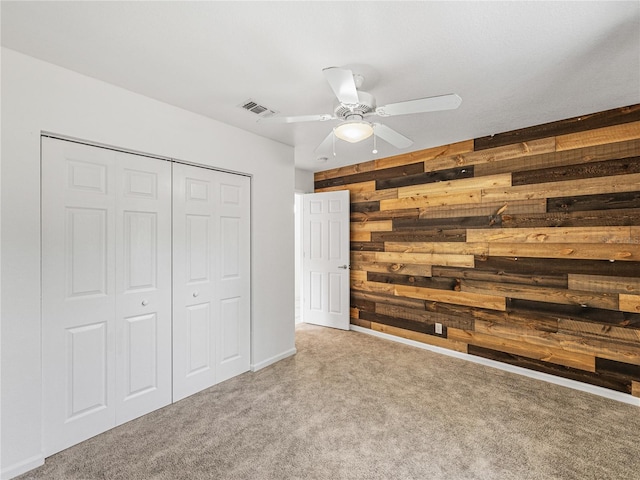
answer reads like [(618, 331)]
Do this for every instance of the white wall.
[(36, 97), (304, 181)]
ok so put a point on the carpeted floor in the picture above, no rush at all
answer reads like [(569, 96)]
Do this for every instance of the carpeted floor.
[(352, 406)]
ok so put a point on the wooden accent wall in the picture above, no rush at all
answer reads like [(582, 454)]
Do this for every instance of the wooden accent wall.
[(524, 246)]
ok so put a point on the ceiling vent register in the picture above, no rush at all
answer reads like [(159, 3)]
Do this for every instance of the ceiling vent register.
[(254, 107)]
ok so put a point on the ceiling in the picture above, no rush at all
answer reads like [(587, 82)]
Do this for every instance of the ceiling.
[(515, 64)]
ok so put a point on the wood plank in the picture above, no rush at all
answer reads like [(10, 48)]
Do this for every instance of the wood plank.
[(405, 324), (372, 196), (388, 173), (361, 304), (386, 215), (606, 201), (523, 348), (444, 199), (602, 283), (630, 303), (543, 294), (429, 317), (366, 246), (445, 223), (588, 186), (421, 337), (594, 378), (426, 258), (635, 388), (574, 312), (364, 286), (500, 276), (452, 186), (596, 153), (365, 207), (577, 172), (533, 266), (375, 226), (612, 349), (598, 136), (360, 323), (401, 268), (468, 248), (615, 116), (344, 171), (389, 299), (550, 235), (506, 152), (357, 257), (492, 302), (458, 235), (485, 209), (352, 187), (539, 322), (571, 326), (624, 371), (585, 251), (360, 236), (357, 276), (425, 177), (600, 218), (426, 155), (412, 280)]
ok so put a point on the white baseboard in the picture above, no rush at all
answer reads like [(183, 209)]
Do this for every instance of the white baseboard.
[(270, 361), (546, 377), (22, 467)]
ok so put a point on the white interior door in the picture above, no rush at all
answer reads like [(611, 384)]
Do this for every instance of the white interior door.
[(143, 285), (106, 279), (233, 282), (78, 294), (195, 264), (211, 283), (325, 262)]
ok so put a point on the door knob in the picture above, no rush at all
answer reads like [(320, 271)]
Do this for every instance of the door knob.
[(343, 266), (145, 302), (196, 293)]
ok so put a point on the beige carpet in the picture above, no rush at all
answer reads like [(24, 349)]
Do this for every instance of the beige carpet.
[(351, 406)]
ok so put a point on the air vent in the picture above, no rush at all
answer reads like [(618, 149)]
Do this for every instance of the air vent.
[(254, 107)]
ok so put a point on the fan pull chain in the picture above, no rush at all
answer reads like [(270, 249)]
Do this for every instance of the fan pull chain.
[(375, 148), (334, 142)]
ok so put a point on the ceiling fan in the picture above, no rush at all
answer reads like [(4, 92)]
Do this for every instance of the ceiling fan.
[(355, 106)]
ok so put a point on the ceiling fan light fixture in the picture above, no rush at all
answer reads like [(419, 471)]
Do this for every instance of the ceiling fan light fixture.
[(354, 132)]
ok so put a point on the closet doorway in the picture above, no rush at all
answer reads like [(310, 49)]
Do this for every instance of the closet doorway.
[(146, 285)]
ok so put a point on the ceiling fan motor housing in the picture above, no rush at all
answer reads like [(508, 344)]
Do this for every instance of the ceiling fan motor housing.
[(367, 104)]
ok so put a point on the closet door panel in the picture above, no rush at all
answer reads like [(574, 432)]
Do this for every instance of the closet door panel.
[(233, 285), (194, 264), (143, 284), (78, 297)]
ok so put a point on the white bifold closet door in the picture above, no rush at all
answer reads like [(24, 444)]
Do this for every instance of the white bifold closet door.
[(211, 278), (124, 330), (106, 305)]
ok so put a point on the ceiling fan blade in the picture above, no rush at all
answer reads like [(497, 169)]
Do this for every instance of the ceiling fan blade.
[(342, 84), (297, 118), (326, 143), (391, 136), (421, 105)]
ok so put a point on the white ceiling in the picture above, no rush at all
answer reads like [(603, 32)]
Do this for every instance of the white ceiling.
[(515, 64)]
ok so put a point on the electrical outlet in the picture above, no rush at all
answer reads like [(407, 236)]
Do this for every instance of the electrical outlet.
[(439, 328)]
